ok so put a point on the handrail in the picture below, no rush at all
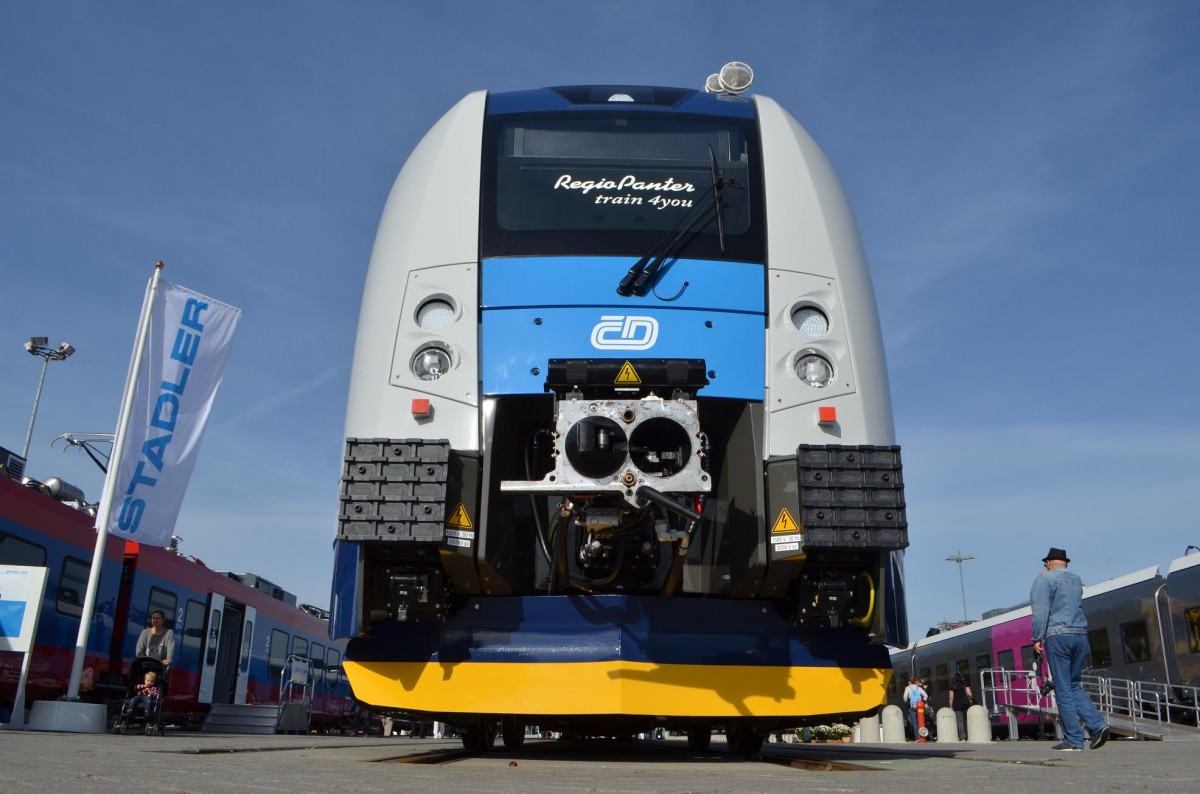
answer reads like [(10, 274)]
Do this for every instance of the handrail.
[(296, 683), (1003, 688), (1150, 707)]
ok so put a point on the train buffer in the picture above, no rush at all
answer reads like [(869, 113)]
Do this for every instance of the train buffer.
[(1145, 710)]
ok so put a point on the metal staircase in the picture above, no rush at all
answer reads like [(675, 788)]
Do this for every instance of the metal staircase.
[(241, 718), (292, 714)]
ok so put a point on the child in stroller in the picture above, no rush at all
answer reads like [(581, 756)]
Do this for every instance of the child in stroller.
[(142, 706)]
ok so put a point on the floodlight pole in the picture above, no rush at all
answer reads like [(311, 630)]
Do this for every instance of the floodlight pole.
[(960, 558), (36, 346)]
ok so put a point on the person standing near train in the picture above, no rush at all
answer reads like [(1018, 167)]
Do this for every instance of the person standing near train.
[(961, 699), (157, 641), (914, 693), (1060, 632)]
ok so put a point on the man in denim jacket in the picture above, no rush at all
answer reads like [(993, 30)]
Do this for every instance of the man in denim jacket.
[(1060, 632)]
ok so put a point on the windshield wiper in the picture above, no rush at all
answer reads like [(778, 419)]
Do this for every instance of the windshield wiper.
[(636, 281), (718, 187), (644, 269)]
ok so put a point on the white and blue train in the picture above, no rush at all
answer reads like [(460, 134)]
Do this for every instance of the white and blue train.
[(620, 450)]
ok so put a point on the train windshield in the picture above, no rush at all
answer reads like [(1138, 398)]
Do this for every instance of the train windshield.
[(622, 184)]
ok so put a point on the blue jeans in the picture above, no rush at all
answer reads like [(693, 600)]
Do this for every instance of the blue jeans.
[(139, 700), (1065, 653)]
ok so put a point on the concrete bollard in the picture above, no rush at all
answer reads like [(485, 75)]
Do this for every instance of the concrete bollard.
[(893, 725), (947, 725), (867, 731), (979, 725)]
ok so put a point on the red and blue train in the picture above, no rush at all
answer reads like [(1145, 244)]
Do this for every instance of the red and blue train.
[(234, 632)]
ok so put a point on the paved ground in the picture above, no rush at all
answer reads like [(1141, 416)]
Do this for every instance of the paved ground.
[(201, 763)]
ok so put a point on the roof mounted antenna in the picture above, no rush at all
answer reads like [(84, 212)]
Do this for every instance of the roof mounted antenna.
[(734, 78)]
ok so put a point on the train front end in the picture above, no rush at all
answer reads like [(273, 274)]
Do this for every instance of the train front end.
[(619, 441)]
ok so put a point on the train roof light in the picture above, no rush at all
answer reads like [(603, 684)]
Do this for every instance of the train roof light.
[(621, 97), (736, 77), (713, 84)]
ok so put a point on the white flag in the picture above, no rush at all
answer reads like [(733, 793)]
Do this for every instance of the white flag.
[(188, 341)]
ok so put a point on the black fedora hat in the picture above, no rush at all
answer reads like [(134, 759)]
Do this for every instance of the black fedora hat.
[(1056, 554)]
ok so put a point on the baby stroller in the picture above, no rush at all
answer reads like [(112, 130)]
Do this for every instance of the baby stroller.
[(139, 715)]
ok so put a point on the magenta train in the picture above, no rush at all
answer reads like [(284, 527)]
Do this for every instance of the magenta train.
[(232, 639), (1142, 627)]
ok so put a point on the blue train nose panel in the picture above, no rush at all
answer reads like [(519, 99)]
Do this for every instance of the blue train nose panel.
[(698, 309)]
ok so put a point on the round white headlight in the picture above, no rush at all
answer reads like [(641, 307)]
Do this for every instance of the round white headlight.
[(430, 363), (811, 321), (815, 370), (434, 313)]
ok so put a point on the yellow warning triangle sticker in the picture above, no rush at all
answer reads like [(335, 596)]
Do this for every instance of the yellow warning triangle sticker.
[(627, 374), (785, 522), (459, 518)]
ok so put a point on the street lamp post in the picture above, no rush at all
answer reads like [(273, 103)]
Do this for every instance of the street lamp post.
[(36, 346), (960, 558)]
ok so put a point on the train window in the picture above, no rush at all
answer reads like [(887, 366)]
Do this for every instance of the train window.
[(165, 601), (299, 647), (277, 655), (14, 551), (941, 678), (316, 652), (1027, 658), (963, 668), (1135, 641), (247, 634), (1192, 615), (333, 668), (214, 631), (72, 585), (193, 632), (1101, 653), (925, 677), (616, 183), (983, 661), (1004, 660)]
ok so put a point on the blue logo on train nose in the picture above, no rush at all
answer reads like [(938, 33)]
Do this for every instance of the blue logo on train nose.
[(624, 332)]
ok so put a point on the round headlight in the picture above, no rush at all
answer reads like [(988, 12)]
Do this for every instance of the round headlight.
[(430, 363), (811, 321), (434, 314), (815, 370)]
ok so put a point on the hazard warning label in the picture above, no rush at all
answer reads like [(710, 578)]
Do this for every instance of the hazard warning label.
[(459, 518), (785, 522), (627, 374)]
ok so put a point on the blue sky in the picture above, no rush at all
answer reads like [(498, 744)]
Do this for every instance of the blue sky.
[(1024, 176)]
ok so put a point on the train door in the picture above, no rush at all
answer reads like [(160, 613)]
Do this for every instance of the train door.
[(243, 664), (228, 653), (212, 637), (225, 654), (1166, 635)]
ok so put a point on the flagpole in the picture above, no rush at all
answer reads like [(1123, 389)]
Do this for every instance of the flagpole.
[(104, 515)]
